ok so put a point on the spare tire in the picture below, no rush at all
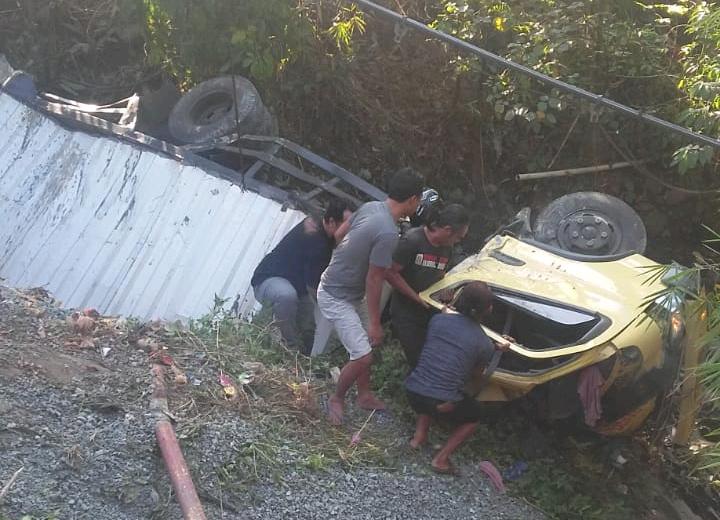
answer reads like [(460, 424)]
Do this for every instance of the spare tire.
[(591, 223), (208, 111)]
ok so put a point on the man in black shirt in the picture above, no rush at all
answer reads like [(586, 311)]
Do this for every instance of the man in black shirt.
[(420, 260), (290, 272)]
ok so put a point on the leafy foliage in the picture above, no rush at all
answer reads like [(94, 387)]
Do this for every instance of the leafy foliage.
[(699, 288), (343, 28), (620, 49), (700, 80), (77, 47), (562, 494), (199, 40)]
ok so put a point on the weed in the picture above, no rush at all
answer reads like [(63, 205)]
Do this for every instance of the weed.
[(252, 462), (390, 370), (280, 394), (563, 493), (317, 462)]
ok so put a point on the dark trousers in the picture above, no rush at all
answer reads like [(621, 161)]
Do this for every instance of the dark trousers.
[(467, 410), (409, 326)]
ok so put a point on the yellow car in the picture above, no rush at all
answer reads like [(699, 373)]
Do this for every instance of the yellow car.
[(568, 312)]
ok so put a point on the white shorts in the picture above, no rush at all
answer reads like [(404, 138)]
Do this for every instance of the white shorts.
[(349, 319)]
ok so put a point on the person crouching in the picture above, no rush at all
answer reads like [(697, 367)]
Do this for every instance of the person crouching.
[(456, 344)]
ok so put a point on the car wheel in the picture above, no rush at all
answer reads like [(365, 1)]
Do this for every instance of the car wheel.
[(591, 223), (208, 111)]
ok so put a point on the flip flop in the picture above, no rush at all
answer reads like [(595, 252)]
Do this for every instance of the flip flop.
[(493, 474)]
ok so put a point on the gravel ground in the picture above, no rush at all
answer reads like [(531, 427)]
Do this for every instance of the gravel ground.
[(292, 491), (389, 496), (367, 495), (77, 423), (78, 463)]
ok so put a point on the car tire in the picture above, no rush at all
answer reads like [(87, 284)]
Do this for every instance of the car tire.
[(208, 111), (591, 223)]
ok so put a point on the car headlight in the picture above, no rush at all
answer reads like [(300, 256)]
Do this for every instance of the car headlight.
[(677, 328), (666, 311)]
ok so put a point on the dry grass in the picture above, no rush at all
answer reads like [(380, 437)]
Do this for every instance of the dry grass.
[(283, 396)]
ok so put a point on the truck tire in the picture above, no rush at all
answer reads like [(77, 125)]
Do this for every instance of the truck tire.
[(207, 112)]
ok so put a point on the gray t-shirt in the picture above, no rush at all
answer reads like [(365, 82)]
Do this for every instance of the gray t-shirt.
[(455, 345), (372, 239)]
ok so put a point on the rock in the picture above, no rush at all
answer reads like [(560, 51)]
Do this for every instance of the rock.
[(5, 407)]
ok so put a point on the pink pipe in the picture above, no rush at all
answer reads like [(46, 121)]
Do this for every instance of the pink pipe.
[(174, 461)]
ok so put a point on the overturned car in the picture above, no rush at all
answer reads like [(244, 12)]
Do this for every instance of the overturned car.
[(584, 308)]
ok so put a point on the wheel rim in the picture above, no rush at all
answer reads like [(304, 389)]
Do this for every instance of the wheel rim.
[(587, 231), (212, 108)]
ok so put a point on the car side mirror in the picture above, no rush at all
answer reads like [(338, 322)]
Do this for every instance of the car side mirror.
[(519, 226)]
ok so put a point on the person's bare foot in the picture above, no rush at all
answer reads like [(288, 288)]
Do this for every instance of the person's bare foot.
[(335, 411), (418, 441), (443, 466), (370, 402)]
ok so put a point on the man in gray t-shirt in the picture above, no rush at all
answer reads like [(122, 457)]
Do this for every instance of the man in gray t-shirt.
[(357, 269), (373, 234)]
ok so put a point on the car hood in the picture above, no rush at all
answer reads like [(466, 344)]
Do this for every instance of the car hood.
[(618, 289)]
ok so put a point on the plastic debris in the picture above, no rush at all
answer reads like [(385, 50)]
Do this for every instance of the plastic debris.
[(515, 471), (355, 439), (193, 380), (245, 378), (357, 436), (105, 351), (120, 323), (228, 387), (91, 313), (617, 459), (491, 471)]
